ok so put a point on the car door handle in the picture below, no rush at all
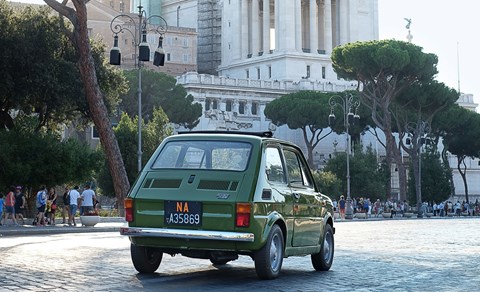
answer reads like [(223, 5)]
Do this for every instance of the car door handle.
[(296, 196)]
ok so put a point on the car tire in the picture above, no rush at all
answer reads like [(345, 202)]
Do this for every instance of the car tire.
[(323, 260), (269, 259), (145, 259)]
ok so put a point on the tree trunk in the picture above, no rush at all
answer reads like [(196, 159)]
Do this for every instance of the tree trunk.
[(96, 105), (463, 173), (395, 153), (416, 175)]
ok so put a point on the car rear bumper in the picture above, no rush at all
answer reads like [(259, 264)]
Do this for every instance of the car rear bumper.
[(187, 234)]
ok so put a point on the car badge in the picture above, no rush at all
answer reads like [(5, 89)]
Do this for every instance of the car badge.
[(222, 196)]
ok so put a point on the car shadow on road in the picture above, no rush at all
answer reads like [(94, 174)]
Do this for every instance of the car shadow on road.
[(229, 277)]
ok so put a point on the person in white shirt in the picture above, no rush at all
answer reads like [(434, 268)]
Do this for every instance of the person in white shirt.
[(88, 197), (74, 196)]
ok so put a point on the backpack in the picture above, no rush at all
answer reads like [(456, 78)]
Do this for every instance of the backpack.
[(38, 202)]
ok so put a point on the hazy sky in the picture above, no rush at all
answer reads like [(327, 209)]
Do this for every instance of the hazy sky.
[(440, 27), (446, 28)]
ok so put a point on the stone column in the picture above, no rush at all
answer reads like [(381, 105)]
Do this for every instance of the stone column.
[(244, 30), (298, 25), (343, 21), (266, 26), (285, 27), (255, 26), (277, 26), (328, 26), (313, 27)]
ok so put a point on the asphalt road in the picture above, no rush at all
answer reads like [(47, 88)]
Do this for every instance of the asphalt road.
[(386, 255)]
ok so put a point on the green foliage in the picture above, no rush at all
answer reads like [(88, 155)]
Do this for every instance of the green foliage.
[(160, 90), (33, 159), (153, 133), (367, 177), (328, 183), (436, 179), (305, 110), (460, 129), (396, 62), (40, 74), (300, 110)]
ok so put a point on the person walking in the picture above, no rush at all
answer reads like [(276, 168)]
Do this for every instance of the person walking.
[(74, 196), (41, 204), (10, 206), (20, 204), (2, 201), (341, 204), (66, 206), (52, 198), (88, 197), (376, 207)]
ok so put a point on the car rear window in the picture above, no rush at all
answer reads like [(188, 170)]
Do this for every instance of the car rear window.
[(215, 155)]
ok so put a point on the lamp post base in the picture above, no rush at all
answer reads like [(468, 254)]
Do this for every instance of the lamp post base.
[(349, 209)]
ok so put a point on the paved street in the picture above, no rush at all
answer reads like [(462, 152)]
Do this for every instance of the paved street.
[(386, 255)]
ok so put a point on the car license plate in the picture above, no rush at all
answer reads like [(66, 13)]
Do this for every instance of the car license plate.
[(183, 213)]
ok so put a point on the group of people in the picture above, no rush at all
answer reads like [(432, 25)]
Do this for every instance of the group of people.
[(364, 205), (14, 204), (73, 201)]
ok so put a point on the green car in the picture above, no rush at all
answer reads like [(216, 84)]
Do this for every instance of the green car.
[(218, 195)]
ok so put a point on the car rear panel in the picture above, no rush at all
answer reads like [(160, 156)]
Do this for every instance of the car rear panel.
[(217, 192)]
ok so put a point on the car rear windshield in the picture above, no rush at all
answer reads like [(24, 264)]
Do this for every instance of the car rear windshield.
[(215, 155)]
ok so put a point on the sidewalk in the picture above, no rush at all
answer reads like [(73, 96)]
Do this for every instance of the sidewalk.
[(107, 224)]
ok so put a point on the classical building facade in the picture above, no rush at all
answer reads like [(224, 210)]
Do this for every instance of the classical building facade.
[(180, 43), (235, 56)]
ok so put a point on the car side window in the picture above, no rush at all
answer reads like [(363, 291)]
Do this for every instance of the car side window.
[(296, 168), (274, 166)]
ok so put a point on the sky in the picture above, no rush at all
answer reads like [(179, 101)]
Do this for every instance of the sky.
[(446, 28)]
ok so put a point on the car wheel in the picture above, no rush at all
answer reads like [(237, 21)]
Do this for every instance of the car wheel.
[(322, 261), (269, 259), (145, 259)]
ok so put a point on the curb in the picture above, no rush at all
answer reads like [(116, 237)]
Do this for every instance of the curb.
[(112, 224)]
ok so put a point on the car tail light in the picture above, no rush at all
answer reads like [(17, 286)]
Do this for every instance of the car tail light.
[(128, 210), (243, 214)]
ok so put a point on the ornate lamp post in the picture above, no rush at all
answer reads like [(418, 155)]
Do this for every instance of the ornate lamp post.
[(154, 23), (349, 105)]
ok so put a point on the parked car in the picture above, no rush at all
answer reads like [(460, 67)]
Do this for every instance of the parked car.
[(218, 195)]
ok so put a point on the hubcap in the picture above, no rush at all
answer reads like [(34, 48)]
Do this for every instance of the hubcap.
[(327, 247), (275, 247)]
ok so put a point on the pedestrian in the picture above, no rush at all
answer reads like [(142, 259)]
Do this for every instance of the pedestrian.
[(376, 207), (74, 198), (88, 197), (20, 203), (66, 205), (10, 206), (52, 198), (341, 204), (1, 208), (366, 207), (41, 204)]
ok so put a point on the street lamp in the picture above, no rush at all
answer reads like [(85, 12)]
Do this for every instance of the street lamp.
[(139, 34), (349, 105)]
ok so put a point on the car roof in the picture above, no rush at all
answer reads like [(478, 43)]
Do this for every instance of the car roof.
[(266, 136)]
